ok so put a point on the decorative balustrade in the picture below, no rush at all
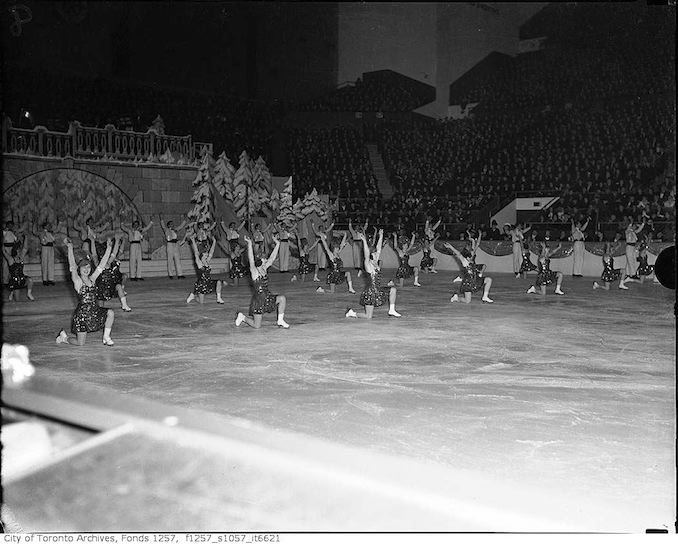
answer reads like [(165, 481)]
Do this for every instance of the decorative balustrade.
[(106, 143)]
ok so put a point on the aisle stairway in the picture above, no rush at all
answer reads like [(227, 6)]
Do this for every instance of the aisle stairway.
[(385, 187)]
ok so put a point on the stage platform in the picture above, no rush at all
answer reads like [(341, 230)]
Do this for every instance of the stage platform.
[(533, 413)]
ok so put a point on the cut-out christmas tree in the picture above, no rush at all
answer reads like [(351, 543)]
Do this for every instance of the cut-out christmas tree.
[(203, 210), (224, 173)]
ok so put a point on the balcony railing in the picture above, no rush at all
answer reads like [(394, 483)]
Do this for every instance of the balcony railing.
[(101, 143)]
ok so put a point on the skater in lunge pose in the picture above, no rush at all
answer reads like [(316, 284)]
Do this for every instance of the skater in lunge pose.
[(111, 281), (305, 267), (336, 274), (471, 281), (17, 279), (373, 295), (263, 301), (428, 263), (545, 275), (88, 316), (204, 284), (404, 269), (610, 274)]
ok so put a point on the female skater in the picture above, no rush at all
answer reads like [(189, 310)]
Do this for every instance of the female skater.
[(305, 267), (17, 279), (111, 281), (404, 268), (578, 247), (336, 275), (284, 252), (238, 269), (610, 274), (357, 246), (88, 315), (471, 281), (644, 270), (373, 295), (263, 301), (204, 284), (320, 258), (428, 263), (259, 239), (545, 275), (527, 265)]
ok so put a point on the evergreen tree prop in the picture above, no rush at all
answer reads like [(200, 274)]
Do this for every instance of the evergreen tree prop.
[(242, 184), (203, 210), (286, 217), (224, 173)]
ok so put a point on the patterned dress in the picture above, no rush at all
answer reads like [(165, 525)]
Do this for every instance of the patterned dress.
[(17, 278), (404, 269), (304, 266), (527, 265), (426, 260), (204, 284), (88, 315), (238, 270), (336, 275), (107, 280), (644, 269), (263, 301), (470, 280), (544, 273), (373, 295), (609, 273)]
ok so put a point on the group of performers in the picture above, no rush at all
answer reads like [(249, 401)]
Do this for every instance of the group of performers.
[(98, 280)]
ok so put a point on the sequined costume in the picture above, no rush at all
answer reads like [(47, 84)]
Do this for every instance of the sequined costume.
[(204, 284), (107, 280), (644, 269), (470, 280), (373, 295), (544, 273), (88, 315), (17, 278), (263, 301), (426, 260), (304, 266), (527, 265), (238, 270), (404, 269), (609, 273), (336, 275)]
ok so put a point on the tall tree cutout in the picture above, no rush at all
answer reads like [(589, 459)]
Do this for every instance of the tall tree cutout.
[(203, 210)]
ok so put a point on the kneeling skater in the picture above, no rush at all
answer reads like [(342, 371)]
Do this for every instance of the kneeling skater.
[(405, 270), (471, 280), (336, 275), (204, 284), (610, 274), (545, 275), (88, 315), (263, 301), (111, 281), (373, 295)]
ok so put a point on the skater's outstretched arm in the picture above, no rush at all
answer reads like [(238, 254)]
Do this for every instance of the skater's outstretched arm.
[(196, 253), (99, 269), (254, 273)]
